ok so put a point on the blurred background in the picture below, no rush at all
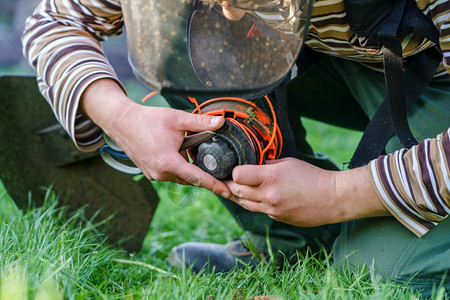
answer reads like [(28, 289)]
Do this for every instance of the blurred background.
[(12, 19)]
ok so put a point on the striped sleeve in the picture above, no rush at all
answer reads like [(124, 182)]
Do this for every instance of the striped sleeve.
[(414, 184), (61, 41), (439, 12)]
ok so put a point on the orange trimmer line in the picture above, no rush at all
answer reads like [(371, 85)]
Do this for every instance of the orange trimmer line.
[(222, 98), (192, 99), (249, 133), (197, 109), (275, 126), (148, 96)]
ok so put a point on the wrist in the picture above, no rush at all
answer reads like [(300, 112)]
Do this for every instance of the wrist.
[(356, 195), (103, 102)]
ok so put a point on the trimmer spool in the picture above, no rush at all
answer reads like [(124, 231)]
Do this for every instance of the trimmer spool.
[(249, 136)]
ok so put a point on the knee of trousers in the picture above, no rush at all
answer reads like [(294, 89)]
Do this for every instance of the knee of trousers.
[(392, 251)]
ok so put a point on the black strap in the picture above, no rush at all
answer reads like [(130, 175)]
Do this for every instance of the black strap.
[(403, 89), (289, 146), (395, 74), (380, 129)]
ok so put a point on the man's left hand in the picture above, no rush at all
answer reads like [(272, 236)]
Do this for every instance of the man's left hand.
[(295, 192)]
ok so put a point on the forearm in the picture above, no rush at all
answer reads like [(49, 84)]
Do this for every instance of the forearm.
[(66, 53), (356, 196), (103, 102), (410, 184)]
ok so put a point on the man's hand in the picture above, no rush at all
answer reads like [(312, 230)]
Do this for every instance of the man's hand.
[(150, 136), (295, 192)]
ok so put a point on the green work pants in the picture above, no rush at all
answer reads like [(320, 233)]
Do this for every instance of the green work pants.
[(384, 243), (347, 94), (344, 93)]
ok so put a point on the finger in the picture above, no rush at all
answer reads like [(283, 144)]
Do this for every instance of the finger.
[(179, 180), (250, 193), (249, 205), (197, 123), (249, 174), (172, 178), (197, 177)]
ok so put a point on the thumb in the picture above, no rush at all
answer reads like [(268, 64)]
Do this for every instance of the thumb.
[(249, 174), (197, 123)]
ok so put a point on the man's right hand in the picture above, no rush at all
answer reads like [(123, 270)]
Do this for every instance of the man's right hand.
[(150, 136)]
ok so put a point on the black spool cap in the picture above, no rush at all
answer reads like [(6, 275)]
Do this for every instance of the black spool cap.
[(228, 148), (216, 158)]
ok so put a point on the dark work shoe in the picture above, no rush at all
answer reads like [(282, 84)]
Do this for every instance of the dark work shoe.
[(220, 258)]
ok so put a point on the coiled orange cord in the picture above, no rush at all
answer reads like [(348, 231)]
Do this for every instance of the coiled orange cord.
[(275, 142)]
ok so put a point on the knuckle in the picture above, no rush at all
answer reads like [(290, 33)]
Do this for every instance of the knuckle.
[(273, 198), (273, 213), (162, 165), (247, 205), (191, 179), (159, 176), (239, 192), (200, 120), (148, 176), (195, 181), (242, 203)]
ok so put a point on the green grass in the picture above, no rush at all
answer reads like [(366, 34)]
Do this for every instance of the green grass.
[(338, 143), (47, 254)]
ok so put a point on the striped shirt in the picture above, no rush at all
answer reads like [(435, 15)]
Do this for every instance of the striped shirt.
[(62, 39), (330, 33), (414, 184)]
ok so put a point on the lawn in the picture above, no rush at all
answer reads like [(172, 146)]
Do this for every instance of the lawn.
[(48, 254)]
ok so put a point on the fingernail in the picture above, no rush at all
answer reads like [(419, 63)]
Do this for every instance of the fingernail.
[(215, 120), (226, 195)]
